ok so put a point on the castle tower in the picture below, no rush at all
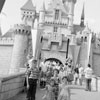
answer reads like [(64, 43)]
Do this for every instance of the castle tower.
[(20, 47), (69, 4), (82, 18), (28, 12), (42, 15), (71, 13)]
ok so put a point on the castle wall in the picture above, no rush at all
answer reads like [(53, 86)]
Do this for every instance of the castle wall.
[(96, 63), (83, 55), (48, 29), (6, 47), (54, 50), (5, 58)]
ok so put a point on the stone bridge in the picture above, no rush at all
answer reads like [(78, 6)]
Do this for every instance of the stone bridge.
[(12, 86)]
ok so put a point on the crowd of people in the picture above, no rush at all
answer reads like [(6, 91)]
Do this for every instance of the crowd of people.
[(55, 79)]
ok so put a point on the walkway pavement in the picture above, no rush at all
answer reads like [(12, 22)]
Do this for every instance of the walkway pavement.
[(77, 93)]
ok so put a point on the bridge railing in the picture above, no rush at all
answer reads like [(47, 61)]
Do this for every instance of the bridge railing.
[(11, 85)]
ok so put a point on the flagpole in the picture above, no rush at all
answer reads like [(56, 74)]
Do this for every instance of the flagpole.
[(67, 48)]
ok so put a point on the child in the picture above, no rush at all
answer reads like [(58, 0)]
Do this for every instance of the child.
[(56, 85), (55, 76), (42, 80), (64, 92), (50, 89)]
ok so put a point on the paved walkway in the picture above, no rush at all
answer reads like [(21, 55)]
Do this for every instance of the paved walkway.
[(77, 93)]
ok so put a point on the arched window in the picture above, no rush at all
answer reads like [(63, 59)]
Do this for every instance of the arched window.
[(85, 39), (82, 39)]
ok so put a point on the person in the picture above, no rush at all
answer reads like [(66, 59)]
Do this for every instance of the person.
[(25, 82), (88, 76), (50, 89), (76, 74), (42, 80), (81, 74), (55, 75), (70, 74), (60, 75), (56, 78), (32, 78), (49, 74), (64, 91)]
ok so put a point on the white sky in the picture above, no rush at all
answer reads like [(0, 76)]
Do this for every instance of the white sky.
[(13, 14)]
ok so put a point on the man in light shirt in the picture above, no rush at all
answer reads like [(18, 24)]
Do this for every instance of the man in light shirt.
[(88, 76), (81, 73)]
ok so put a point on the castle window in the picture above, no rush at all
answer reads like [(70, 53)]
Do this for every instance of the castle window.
[(55, 29), (56, 14), (85, 39), (81, 39)]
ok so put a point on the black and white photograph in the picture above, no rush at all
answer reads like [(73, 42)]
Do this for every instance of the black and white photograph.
[(49, 50)]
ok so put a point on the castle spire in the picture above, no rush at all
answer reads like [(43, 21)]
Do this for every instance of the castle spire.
[(43, 6), (82, 17), (42, 15)]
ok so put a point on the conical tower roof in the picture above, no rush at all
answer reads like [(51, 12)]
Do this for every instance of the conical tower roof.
[(28, 6), (83, 15), (43, 6)]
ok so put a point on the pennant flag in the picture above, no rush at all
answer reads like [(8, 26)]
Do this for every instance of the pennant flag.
[(34, 38), (89, 47), (76, 53), (36, 42), (72, 47), (1, 4)]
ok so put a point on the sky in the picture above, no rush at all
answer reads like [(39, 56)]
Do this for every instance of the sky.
[(11, 13)]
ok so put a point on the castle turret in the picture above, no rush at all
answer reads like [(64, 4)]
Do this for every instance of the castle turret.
[(42, 15), (28, 13), (71, 13), (20, 47)]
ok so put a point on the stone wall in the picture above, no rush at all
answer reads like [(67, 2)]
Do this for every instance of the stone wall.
[(96, 63), (11, 85), (5, 58)]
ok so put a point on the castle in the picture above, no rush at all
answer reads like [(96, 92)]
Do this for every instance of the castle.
[(57, 38)]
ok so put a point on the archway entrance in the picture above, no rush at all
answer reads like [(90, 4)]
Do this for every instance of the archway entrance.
[(53, 62)]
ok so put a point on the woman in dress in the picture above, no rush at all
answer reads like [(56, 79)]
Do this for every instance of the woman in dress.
[(64, 91), (50, 89)]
